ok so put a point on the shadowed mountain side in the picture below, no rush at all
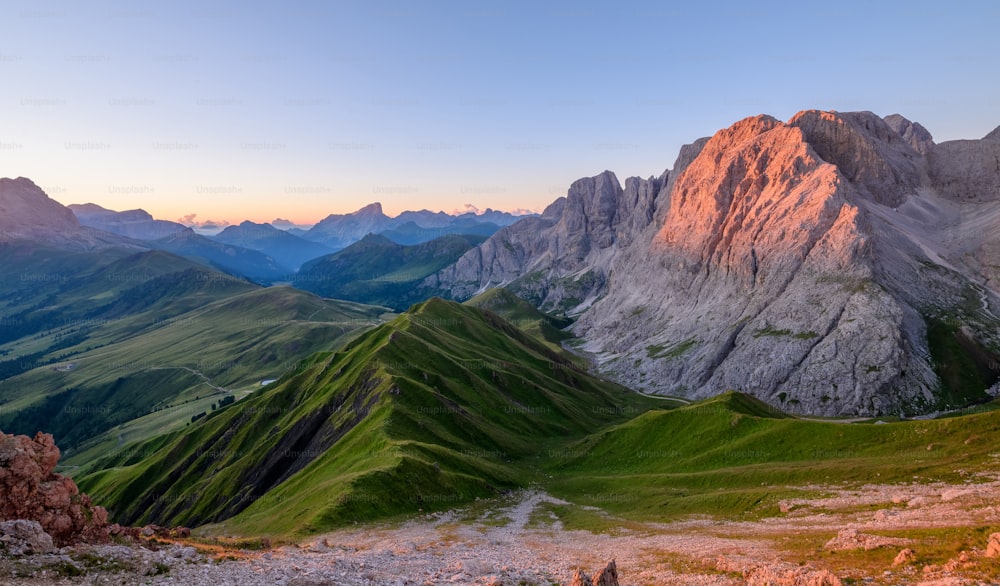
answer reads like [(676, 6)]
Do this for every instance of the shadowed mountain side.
[(286, 249), (377, 271)]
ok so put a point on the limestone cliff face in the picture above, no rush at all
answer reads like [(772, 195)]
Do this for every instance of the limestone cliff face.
[(799, 262), (559, 260), (912, 133), (802, 262)]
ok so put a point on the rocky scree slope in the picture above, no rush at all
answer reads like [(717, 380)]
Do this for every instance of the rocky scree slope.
[(839, 263)]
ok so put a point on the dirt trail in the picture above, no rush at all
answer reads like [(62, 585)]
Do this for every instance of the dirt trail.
[(523, 540)]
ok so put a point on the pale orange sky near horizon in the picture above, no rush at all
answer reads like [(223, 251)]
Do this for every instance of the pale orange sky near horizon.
[(255, 111), (302, 205)]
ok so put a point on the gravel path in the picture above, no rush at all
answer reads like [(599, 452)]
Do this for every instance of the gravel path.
[(519, 541)]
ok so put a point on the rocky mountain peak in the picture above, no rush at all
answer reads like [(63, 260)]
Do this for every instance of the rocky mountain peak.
[(866, 150), (764, 230), (26, 211), (372, 209), (967, 170), (918, 137)]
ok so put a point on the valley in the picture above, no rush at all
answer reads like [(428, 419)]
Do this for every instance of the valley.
[(776, 362)]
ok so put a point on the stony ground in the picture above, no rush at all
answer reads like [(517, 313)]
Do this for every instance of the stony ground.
[(844, 536)]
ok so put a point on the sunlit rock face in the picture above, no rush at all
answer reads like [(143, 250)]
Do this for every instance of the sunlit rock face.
[(799, 261)]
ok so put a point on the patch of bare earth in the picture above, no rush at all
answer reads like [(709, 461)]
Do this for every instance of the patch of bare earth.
[(876, 534)]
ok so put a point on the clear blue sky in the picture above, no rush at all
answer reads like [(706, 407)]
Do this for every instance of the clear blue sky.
[(297, 109)]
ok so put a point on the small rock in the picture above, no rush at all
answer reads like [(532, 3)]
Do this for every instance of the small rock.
[(608, 576), (905, 556), (993, 547), (20, 537), (180, 533), (185, 553), (580, 579), (952, 494)]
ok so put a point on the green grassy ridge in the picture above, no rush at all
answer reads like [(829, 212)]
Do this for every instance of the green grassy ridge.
[(732, 455), (525, 317), (376, 270), (142, 363), (444, 404), (225, 462)]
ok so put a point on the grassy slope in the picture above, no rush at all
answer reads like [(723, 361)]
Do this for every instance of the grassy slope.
[(137, 369), (524, 316), (485, 408), (105, 338), (442, 405), (732, 455), (43, 289)]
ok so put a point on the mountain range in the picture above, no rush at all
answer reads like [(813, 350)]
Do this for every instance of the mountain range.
[(410, 227), (287, 248), (834, 264)]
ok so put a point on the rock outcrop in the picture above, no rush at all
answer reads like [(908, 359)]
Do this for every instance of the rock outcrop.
[(848, 539), (27, 213), (559, 260), (803, 262), (138, 224), (912, 133), (607, 576), (31, 491), (23, 537), (993, 546), (783, 576)]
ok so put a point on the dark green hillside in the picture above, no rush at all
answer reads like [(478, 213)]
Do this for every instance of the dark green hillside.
[(151, 369), (443, 404), (377, 271), (43, 290)]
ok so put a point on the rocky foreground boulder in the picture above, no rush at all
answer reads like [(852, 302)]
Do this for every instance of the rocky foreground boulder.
[(605, 577), (32, 494)]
